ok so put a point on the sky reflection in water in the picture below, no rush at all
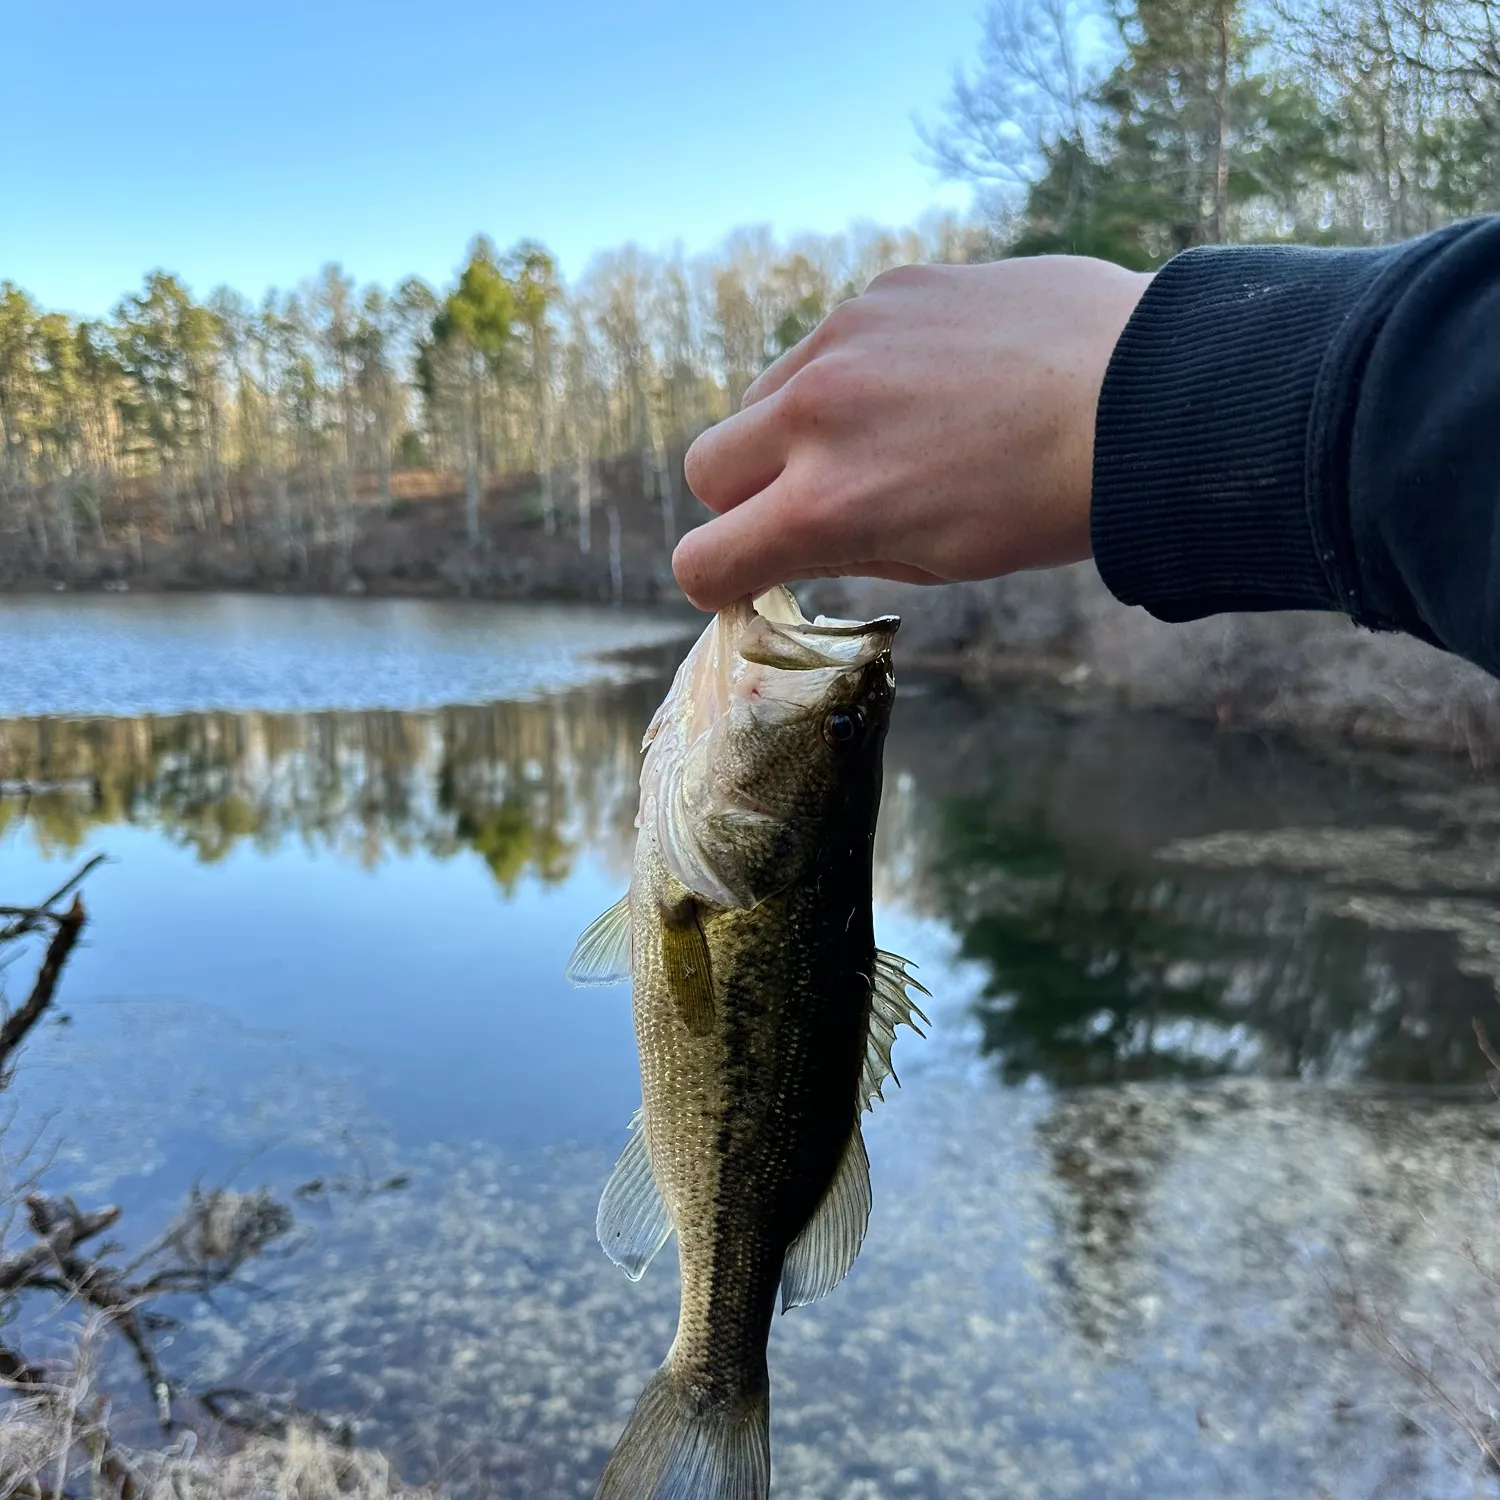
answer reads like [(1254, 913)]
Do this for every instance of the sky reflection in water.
[(331, 942)]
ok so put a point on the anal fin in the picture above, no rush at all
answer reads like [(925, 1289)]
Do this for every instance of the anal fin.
[(820, 1257)]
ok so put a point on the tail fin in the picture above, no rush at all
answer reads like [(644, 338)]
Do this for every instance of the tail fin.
[(669, 1452)]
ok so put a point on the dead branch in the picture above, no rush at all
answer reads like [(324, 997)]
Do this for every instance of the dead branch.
[(67, 1228), (262, 1415), (16, 1025), (29, 918), (212, 1239), (102, 1288)]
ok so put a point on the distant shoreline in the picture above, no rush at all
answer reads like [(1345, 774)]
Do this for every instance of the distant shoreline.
[(1314, 677)]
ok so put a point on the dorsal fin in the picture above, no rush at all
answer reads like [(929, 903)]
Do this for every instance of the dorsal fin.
[(890, 1006)]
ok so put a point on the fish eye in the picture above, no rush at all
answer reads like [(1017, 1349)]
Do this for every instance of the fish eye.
[(844, 727)]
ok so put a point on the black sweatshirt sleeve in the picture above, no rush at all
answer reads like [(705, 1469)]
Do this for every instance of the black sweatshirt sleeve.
[(1288, 428)]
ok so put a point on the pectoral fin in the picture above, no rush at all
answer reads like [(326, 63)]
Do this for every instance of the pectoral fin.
[(820, 1257), (689, 970), (633, 1223), (602, 954)]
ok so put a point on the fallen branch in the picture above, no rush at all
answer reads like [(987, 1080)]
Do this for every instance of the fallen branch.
[(101, 1286), (269, 1416), (68, 1256), (69, 1228), (29, 918), (16, 1025)]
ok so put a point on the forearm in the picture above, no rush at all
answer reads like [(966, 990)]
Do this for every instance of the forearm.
[(1284, 428)]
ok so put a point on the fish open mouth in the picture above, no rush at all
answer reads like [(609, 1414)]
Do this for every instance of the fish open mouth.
[(777, 634), (730, 657)]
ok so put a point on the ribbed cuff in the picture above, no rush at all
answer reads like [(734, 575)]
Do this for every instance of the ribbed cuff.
[(1205, 430)]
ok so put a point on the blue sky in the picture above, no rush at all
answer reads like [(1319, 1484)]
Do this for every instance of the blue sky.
[(250, 144)]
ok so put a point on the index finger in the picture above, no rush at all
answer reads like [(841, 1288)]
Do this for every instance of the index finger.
[(761, 542), (737, 458)]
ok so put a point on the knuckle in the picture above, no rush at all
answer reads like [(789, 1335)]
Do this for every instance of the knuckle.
[(814, 393), (838, 323), (836, 327), (903, 276)]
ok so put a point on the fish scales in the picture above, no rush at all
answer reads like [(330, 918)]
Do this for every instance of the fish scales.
[(764, 1015), (788, 1048)]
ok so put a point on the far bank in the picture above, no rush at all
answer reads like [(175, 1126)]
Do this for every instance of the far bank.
[(1302, 673)]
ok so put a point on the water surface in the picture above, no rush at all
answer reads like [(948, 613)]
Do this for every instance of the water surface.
[(1202, 1062)]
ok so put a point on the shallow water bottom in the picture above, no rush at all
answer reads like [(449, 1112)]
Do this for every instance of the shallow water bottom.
[(1167, 1289)]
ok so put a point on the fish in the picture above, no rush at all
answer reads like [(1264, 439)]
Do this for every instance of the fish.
[(764, 1019)]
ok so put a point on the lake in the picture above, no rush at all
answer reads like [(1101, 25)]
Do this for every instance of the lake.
[(1200, 1120)]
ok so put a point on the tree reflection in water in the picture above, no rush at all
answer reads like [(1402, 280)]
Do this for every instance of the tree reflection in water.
[(1035, 832), (1144, 903), (522, 784), (1111, 957)]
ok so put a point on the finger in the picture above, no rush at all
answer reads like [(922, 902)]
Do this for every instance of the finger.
[(736, 459), (894, 572), (775, 375), (776, 537), (750, 548)]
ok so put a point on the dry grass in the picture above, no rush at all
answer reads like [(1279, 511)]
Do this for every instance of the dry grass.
[(55, 1442)]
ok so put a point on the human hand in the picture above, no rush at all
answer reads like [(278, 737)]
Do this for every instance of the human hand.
[(938, 427)]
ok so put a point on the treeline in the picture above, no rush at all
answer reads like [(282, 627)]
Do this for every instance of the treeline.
[(276, 429), (1136, 131)]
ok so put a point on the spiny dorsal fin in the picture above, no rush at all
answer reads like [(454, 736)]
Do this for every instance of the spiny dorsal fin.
[(689, 971), (633, 1223), (602, 954), (820, 1257), (890, 1006)]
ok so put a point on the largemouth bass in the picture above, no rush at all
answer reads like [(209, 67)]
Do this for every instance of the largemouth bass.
[(764, 1018)]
